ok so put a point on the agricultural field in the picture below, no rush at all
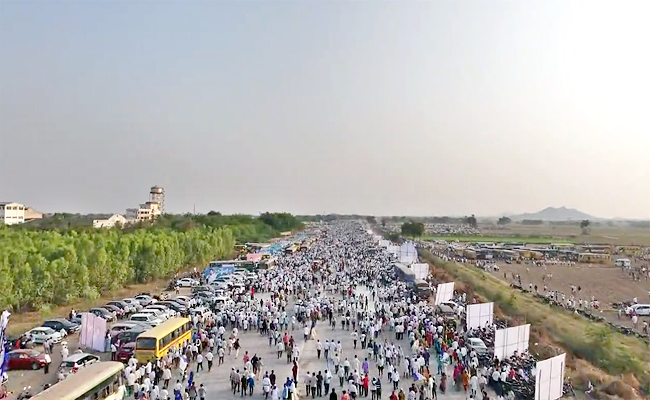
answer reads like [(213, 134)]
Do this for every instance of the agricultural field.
[(618, 235), (502, 239), (605, 283)]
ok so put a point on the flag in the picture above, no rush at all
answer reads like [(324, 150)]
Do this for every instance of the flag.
[(417, 376), (4, 321), (182, 364)]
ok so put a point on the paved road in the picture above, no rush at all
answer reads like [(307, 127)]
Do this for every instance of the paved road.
[(217, 382)]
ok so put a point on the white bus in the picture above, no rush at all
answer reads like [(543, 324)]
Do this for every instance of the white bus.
[(98, 381)]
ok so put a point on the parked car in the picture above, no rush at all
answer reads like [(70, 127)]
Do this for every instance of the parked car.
[(179, 308), (41, 334), (477, 345), (197, 289), (127, 325), (104, 313), (147, 318), (125, 352), (133, 303), (205, 296), (155, 312), (118, 312), (76, 319), (642, 310), (166, 310), (201, 311), (145, 299), (62, 324), (123, 305), (187, 282), (24, 341), (26, 359), (77, 361), (130, 335)]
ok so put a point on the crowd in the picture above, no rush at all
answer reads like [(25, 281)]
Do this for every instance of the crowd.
[(389, 343)]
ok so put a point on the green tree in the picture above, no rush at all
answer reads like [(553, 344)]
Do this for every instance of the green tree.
[(504, 221), (412, 228), (584, 226), (471, 221)]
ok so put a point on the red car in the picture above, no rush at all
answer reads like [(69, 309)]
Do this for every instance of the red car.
[(125, 352), (26, 359)]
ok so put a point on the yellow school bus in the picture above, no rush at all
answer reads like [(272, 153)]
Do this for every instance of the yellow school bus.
[(156, 342)]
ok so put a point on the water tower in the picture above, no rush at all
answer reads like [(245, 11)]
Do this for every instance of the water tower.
[(157, 194)]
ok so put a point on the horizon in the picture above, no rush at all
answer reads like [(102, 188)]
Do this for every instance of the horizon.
[(369, 108), (593, 218)]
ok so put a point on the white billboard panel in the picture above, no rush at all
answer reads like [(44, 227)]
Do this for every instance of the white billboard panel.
[(393, 249), (479, 315), (550, 378), (384, 243), (509, 340), (445, 292), (408, 254), (421, 270)]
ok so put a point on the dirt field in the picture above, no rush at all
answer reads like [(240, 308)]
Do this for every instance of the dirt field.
[(597, 234), (607, 284)]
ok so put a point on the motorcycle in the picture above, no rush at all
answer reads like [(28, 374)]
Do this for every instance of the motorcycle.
[(25, 394)]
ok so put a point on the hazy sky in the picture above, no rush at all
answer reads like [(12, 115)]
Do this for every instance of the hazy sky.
[(372, 107)]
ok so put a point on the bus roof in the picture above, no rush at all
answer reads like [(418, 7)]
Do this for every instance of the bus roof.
[(165, 327), (77, 385)]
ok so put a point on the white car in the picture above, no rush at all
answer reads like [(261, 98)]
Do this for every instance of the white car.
[(146, 318), (642, 310), (40, 335), (166, 311), (145, 299), (477, 345), (133, 303), (155, 313), (187, 282)]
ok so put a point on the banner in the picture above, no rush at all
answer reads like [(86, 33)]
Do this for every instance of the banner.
[(479, 315), (549, 380), (93, 332), (212, 273), (4, 321), (420, 270), (510, 340)]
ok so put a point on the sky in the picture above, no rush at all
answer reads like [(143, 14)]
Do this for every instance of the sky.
[(369, 107)]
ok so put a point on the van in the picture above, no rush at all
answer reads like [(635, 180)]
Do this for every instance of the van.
[(202, 312)]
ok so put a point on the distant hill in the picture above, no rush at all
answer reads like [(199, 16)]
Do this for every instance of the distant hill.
[(554, 214)]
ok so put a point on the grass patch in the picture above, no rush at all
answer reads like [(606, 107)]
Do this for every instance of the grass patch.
[(597, 343), (502, 239)]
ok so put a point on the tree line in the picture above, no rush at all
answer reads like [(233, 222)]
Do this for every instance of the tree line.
[(40, 266)]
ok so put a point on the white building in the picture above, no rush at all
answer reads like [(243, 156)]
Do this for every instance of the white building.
[(110, 222), (12, 213), (151, 209)]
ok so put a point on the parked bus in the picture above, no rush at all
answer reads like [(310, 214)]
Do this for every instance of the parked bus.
[(156, 342), (101, 381)]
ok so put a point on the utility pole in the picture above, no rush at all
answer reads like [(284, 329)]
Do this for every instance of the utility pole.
[(194, 212)]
